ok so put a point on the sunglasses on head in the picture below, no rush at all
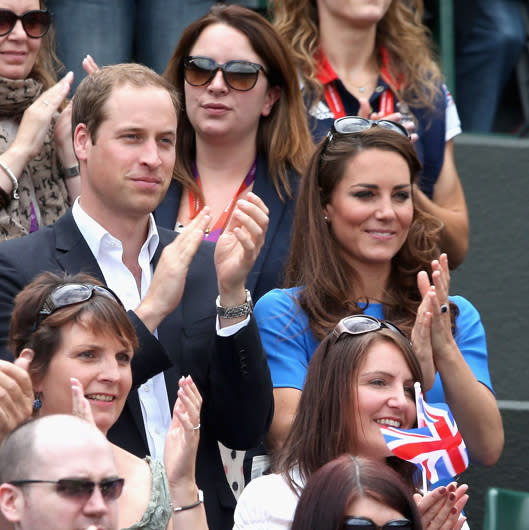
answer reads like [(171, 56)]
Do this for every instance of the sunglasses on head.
[(70, 294), (36, 22), (81, 489), (355, 124), (239, 75), (368, 524), (360, 324)]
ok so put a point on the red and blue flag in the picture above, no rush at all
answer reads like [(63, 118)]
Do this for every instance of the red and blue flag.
[(437, 445)]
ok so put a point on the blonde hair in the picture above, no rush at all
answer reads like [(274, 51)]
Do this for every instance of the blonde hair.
[(401, 32)]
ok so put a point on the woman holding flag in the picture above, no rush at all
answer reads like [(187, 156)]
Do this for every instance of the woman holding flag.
[(360, 380), (361, 244)]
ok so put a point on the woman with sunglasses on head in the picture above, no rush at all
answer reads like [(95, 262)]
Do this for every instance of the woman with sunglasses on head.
[(242, 129), (39, 175), (362, 244), (352, 492), (360, 378), (80, 344), (361, 58)]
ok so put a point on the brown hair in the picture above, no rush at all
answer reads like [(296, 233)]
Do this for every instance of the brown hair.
[(99, 313), (46, 63), (95, 90), (283, 136), (316, 262), (324, 426), (400, 31), (335, 486)]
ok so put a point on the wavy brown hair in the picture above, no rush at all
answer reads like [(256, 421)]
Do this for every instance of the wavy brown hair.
[(328, 494), (316, 262), (401, 31), (324, 426), (283, 136), (46, 63)]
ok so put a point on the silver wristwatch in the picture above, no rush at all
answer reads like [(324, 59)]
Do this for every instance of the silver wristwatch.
[(236, 311)]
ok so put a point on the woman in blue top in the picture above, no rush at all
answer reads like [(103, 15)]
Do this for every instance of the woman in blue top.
[(361, 244)]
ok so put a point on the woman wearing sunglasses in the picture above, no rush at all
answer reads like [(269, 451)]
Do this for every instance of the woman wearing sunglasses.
[(362, 244), (361, 58), (38, 170), (242, 129), (353, 492), (81, 345), (360, 378)]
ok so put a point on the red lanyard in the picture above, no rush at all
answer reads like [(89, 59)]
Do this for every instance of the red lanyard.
[(195, 204)]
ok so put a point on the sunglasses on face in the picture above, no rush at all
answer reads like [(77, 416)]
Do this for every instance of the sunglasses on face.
[(36, 23), (360, 324), (367, 524), (239, 75), (81, 489), (70, 294)]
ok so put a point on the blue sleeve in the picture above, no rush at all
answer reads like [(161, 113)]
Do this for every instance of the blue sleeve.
[(286, 337), (471, 340)]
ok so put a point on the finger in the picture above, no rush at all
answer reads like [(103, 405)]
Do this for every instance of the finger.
[(18, 372), (423, 283), (255, 199), (54, 96), (89, 65), (80, 405)]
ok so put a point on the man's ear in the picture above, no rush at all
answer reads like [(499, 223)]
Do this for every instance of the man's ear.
[(81, 141), (11, 503)]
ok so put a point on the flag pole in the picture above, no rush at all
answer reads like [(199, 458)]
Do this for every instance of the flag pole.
[(420, 423)]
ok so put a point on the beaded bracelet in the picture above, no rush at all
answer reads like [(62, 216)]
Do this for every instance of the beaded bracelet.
[(189, 506)]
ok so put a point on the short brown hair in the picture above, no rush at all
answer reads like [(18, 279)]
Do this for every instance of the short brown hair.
[(95, 90), (99, 313)]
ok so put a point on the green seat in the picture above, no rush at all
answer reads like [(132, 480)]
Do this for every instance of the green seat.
[(506, 510)]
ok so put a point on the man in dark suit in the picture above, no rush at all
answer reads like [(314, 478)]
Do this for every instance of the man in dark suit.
[(124, 123)]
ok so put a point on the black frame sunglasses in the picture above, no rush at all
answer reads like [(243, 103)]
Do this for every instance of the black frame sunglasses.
[(70, 294), (361, 324), (238, 75), (355, 124), (81, 489), (364, 523), (36, 22)]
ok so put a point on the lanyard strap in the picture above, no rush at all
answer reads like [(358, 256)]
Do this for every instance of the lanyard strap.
[(195, 204)]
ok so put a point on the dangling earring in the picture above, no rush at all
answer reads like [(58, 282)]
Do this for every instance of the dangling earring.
[(37, 403)]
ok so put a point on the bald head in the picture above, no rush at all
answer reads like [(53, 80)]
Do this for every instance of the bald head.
[(45, 451)]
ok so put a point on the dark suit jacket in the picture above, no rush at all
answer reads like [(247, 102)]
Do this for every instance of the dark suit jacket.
[(267, 273), (231, 373)]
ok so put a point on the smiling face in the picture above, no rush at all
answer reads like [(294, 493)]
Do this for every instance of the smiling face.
[(128, 167), (385, 396), (100, 361), (216, 111), (18, 51), (371, 208)]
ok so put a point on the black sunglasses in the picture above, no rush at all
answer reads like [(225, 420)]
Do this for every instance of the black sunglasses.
[(36, 22), (239, 75), (355, 124), (360, 324), (368, 524), (81, 489), (70, 294)]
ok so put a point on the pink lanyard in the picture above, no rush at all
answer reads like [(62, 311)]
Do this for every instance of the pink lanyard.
[(195, 204)]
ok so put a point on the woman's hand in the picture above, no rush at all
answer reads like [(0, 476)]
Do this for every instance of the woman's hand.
[(80, 405), (181, 443), (441, 508)]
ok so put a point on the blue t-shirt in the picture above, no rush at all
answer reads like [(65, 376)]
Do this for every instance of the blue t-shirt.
[(289, 343)]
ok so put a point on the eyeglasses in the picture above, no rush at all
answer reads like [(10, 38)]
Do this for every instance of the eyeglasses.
[(81, 489), (368, 524), (239, 75), (70, 294), (360, 324), (36, 23), (355, 124)]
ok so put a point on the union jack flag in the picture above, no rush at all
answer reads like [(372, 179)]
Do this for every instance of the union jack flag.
[(437, 445)]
